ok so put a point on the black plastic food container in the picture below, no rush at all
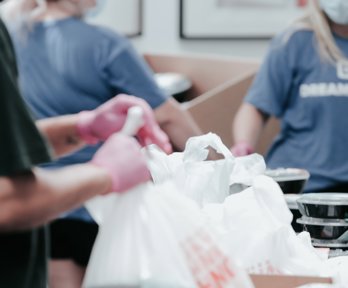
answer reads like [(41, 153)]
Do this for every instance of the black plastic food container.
[(290, 180), (291, 201), (324, 205), (323, 229)]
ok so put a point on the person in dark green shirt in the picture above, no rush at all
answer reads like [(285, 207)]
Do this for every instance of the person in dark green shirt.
[(29, 196)]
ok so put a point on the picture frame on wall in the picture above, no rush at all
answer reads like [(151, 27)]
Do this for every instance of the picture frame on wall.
[(123, 16), (237, 19)]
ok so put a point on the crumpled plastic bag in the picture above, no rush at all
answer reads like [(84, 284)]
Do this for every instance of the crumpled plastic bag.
[(338, 265), (152, 236), (204, 181), (259, 219), (246, 168)]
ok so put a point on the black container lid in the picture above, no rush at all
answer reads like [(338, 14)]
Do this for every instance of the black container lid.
[(326, 198), (321, 222), (329, 244), (287, 174)]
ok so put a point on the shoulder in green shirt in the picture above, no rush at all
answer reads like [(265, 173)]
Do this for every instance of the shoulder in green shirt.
[(21, 145)]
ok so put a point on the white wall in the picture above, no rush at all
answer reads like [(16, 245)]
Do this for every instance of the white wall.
[(161, 35)]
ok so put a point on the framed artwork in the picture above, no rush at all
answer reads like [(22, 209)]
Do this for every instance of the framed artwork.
[(124, 16), (237, 19)]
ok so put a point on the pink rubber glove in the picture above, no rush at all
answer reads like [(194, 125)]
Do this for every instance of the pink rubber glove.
[(97, 125), (242, 149), (121, 157)]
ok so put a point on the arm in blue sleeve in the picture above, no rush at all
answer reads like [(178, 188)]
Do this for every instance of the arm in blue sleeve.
[(127, 72), (270, 89)]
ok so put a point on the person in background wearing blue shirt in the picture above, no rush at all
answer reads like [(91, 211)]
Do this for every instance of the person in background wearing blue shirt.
[(31, 196), (67, 66), (304, 82)]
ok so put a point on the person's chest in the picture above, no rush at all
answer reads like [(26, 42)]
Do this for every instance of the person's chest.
[(318, 96)]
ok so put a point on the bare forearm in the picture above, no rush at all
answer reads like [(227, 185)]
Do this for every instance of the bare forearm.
[(62, 134), (177, 123), (248, 124), (33, 199)]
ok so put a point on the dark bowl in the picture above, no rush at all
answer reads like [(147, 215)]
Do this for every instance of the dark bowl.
[(290, 180), (322, 229), (292, 186), (324, 205)]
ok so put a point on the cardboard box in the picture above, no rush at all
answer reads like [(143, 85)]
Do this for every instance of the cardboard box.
[(219, 86), (286, 281)]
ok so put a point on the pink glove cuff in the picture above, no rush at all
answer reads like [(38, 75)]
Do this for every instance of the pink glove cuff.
[(242, 148), (121, 157), (85, 119), (121, 184), (115, 179)]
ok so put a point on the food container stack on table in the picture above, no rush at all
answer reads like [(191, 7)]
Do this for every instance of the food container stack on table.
[(325, 217), (290, 180)]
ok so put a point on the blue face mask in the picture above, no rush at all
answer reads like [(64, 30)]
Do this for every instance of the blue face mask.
[(336, 10), (97, 9)]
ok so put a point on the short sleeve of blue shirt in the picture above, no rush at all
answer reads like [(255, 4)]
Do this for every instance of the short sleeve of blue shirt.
[(126, 71), (68, 66), (270, 89)]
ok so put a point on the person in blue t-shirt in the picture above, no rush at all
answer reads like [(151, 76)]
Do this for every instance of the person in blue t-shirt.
[(303, 81), (67, 66), (31, 196)]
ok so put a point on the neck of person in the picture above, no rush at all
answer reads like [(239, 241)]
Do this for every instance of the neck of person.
[(339, 29), (58, 10)]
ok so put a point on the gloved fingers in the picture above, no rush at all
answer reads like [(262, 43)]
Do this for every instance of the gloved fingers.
[(84, 127), (133, 170), (238, 152), (242, 149), (154, 135), (122, 102), (150, 133), (110, 117), (121, 157)]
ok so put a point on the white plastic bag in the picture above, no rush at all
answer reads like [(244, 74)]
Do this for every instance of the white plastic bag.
[(246, 168), (259, 220), (203, 181), (339, 266), (155, 237)]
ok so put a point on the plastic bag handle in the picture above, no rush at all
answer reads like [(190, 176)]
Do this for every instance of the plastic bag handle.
[(134, 121), (195, 149)]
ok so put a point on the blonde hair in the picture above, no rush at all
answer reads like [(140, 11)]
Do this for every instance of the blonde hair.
[(317, 21)]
